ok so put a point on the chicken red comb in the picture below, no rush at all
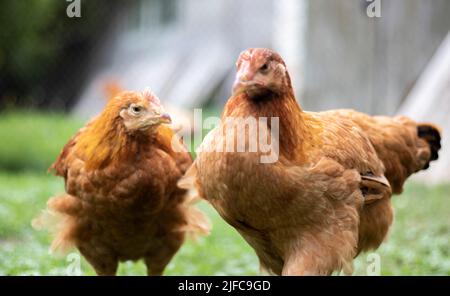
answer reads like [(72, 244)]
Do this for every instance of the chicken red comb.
[(250, 53), (148, 94)]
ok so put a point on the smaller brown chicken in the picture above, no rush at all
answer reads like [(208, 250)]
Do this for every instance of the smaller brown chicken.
[(121, 201)]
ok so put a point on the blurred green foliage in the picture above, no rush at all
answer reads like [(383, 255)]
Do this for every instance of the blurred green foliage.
[(32, 141), (36, 38), (28, 41)]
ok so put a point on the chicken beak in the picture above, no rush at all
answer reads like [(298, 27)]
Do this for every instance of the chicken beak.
[(243, 79), (240, 85), (165, 118)]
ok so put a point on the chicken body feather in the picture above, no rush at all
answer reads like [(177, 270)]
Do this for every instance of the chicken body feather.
[(303, 210)]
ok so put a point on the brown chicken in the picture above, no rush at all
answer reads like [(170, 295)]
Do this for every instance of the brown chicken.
[(327, 195), (122, 202)]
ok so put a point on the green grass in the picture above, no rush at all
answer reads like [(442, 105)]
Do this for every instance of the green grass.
[(418, 243)]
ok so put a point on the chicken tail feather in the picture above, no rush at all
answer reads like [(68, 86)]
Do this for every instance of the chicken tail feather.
[(198, 223), (432, 135), (57, 220)]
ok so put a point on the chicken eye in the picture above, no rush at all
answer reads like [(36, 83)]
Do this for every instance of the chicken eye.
[(264, 68), (136, 109)]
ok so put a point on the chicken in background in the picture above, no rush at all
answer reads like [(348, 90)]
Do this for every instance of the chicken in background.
[(121, 201), (328, 196)]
